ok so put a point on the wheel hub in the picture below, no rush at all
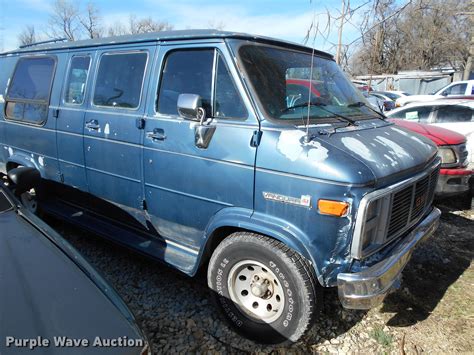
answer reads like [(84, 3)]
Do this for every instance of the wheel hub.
[(256, 291), (261, 287)]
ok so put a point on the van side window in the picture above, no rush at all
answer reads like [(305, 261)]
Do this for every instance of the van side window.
[(120, 80), (30, 89), (77, 79), (228, 102), (452, 113), (186, 72), (418, 114)]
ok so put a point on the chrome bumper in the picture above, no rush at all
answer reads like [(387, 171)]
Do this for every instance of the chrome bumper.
[(367, 289), (449, 185)]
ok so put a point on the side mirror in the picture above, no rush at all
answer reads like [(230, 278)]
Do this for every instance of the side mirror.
[(190, 107), (24, 178)]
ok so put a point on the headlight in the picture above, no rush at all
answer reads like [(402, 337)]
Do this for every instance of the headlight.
[(375, 224), (447, 155)]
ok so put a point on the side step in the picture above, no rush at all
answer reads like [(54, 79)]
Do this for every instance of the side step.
[(158, 248)]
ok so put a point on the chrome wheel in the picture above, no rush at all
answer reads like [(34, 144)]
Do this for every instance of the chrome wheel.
[(256, 291)]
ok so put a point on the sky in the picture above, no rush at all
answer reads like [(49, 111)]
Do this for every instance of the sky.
[(283, 19)]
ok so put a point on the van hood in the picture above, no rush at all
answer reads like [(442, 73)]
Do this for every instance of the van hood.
[(373, 154), (441, 136)]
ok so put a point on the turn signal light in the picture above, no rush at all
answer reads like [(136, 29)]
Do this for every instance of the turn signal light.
[(333, 208)]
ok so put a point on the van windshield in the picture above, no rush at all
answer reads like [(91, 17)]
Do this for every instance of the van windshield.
[(284, 84)]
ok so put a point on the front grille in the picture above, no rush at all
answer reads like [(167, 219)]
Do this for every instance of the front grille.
[(409, 204)]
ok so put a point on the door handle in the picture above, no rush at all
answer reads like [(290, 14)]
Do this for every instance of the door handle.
[(157, 134), (93, 125)]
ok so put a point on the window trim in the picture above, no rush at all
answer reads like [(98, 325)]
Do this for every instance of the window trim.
[(217, 53), (25, 101), (96, 74), (68, 74)]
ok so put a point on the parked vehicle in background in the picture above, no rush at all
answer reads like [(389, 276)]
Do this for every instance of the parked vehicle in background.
[(465, 88), (49, 291), (455, 115), (394, 94), (388, 103), (362, 85), (195, 148), (455, 176)]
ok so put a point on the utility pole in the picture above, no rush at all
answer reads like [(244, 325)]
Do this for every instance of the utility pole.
[(339, 42)]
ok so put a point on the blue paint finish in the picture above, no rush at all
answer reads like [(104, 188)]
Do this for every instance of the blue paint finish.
[(182, 194), (184, 185), (70, 129), (113, 153)]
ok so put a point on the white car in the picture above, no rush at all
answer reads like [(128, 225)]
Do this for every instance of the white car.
[(458, 88), (454, 114)]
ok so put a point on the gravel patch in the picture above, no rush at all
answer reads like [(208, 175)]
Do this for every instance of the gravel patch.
[(176, 313)]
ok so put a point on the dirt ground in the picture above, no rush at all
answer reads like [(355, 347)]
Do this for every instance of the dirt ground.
[(432, 312)]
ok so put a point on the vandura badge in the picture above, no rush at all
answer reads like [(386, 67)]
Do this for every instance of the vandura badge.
[(303, 201)]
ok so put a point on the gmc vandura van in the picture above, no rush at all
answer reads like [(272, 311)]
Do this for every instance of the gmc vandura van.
[(254, 158)]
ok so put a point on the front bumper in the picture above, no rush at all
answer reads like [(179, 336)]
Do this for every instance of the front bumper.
[(453, 182), (367, 289)]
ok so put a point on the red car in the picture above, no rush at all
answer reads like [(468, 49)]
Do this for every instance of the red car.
[(454, 178)]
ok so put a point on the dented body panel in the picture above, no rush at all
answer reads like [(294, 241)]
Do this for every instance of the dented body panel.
[(137, 176)]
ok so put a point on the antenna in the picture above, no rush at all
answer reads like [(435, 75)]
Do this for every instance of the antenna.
[(306, 138)]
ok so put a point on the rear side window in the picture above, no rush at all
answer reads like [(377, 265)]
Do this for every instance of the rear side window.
[(451, 113), (30, 89), (120, 80), (77, 79), (419, 114)]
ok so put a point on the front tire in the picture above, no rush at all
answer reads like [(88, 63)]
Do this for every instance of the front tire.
[(265, 290)]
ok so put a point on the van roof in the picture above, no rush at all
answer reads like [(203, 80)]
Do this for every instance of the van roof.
[(161, 36)]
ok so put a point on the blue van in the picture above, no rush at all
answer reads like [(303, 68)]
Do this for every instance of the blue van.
[(254, 158)]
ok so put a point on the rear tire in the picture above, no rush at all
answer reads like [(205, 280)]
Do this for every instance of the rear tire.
[(266, 291)]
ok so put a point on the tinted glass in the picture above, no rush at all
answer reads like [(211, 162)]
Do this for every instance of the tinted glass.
[(419, 114), (29, 91), (32, 79), (186, 72), (454, 114), (77, 78), (228, 100), (459, 89), (271, 70), (120, 79), (391, 95)]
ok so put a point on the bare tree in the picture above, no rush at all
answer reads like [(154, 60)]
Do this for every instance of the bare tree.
[(118, 29), (421, 34), (138, 25), (64, 20), (91, 21), (147, 24), (216, 25), (27, 36)]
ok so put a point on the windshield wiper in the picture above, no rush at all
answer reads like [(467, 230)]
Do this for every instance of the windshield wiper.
[(363, 104), (321, 106)]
